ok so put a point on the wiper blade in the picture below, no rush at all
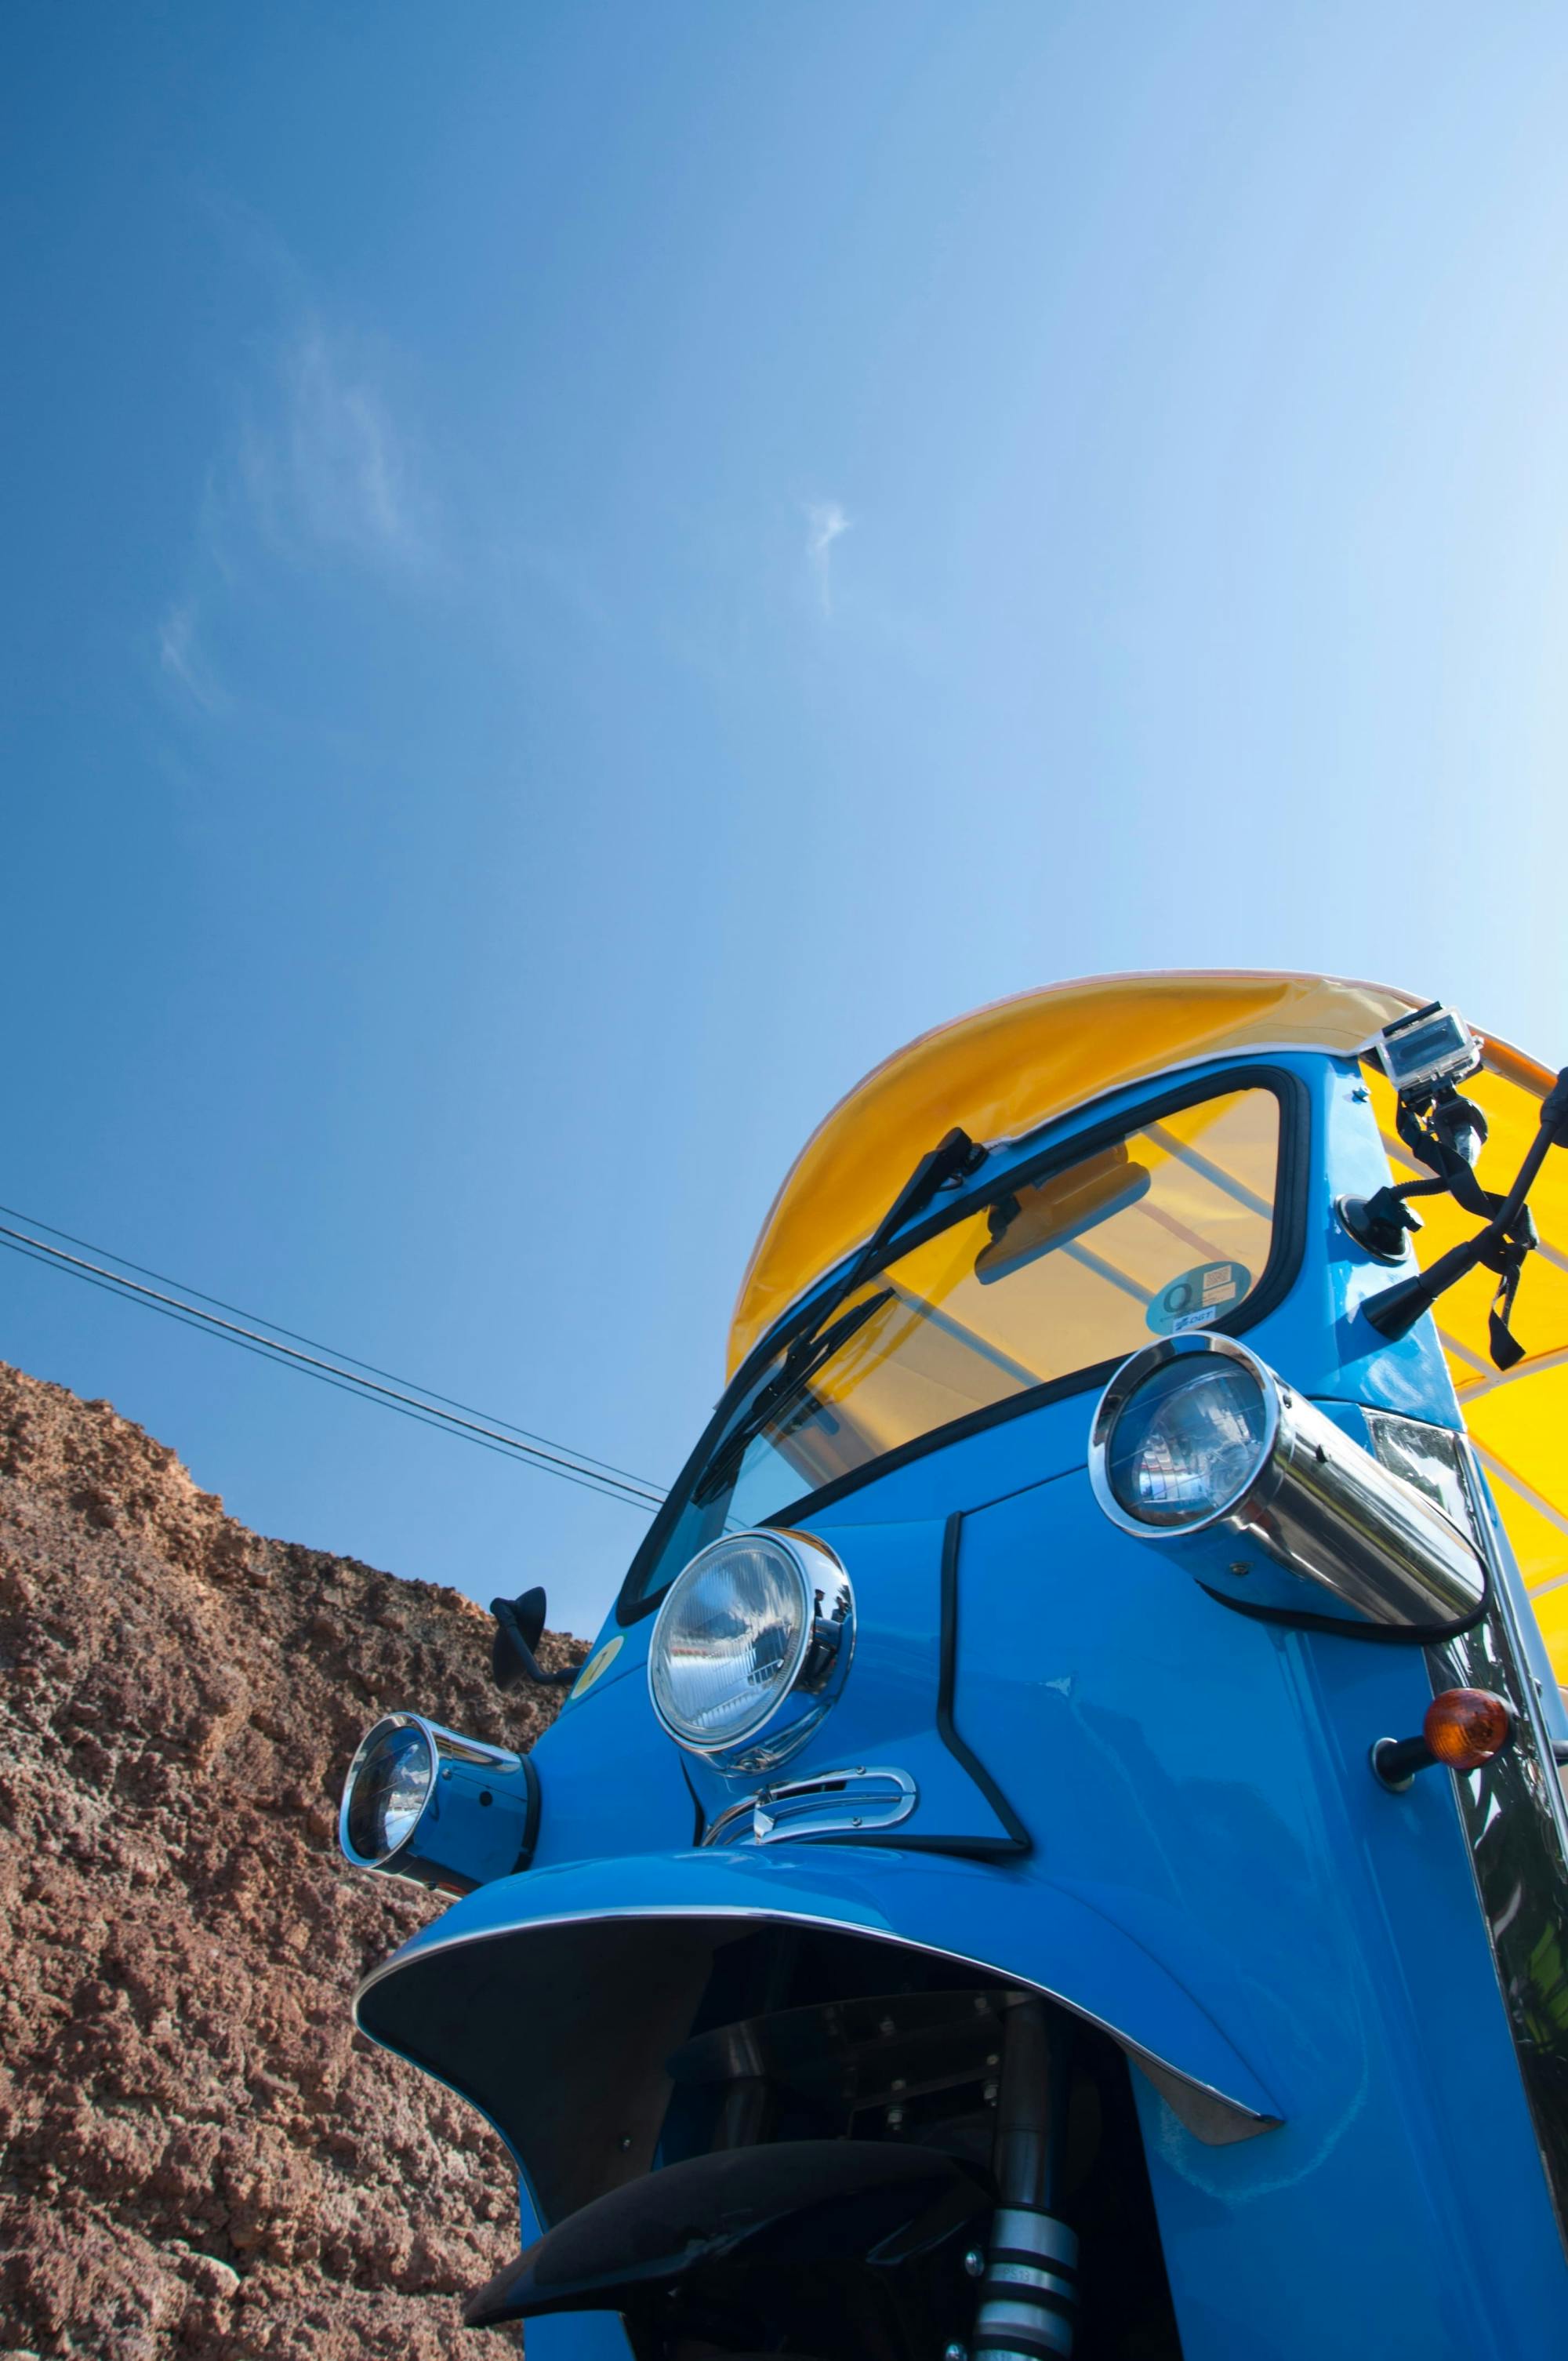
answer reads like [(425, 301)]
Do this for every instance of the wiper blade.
[(952, 1159), (785, 1386)]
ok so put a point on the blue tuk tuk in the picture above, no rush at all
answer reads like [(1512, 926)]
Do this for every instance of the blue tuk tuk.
[(1059, 1846)]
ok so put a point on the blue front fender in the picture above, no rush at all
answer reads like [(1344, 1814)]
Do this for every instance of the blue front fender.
[(552, 1999)]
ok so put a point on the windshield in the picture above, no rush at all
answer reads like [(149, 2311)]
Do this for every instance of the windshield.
[(1063, 1268)]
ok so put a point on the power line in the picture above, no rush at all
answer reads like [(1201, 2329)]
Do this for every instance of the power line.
[(554, 1458), (341, 1370), (342, 1384), (607, 1466)]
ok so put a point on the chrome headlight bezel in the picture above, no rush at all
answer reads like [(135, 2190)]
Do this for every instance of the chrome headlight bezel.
[(1199, 1346), (373, 1739), (818, 1663)]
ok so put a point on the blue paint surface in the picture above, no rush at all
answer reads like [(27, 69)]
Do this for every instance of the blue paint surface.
[(1213, 1872)]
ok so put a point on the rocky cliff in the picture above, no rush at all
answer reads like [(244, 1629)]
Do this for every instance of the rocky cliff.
[(201, 2159)]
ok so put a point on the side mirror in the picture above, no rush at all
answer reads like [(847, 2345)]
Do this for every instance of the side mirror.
[(520, 1625)]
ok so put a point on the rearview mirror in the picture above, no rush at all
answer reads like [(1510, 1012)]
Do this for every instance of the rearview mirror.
[(1036, 1221), (520, 1626)]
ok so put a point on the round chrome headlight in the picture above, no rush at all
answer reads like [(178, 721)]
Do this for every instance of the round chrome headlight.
[(750, 1641), (386, 1788), (1291, 1518), (1181, 1433)]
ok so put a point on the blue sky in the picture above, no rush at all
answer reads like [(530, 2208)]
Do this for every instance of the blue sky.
[(576, 573)]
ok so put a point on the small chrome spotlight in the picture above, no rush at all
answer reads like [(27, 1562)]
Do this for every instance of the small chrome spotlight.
[(435, 1807)]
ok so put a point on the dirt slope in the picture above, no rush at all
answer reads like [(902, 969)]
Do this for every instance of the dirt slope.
[(200, 2158)]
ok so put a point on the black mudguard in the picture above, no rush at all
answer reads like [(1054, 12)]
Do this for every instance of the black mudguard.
[(831, 2247)]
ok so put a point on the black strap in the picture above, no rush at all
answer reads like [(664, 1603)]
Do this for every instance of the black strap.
[(1428, 1146), (1507, 1258)]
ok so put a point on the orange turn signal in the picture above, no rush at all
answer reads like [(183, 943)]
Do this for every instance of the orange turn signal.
[(1465, 1728)]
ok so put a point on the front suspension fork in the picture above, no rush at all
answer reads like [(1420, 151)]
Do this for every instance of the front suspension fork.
[(1028, 2296)]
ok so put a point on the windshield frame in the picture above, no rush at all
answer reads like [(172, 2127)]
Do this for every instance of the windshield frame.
[(1008, 1164)]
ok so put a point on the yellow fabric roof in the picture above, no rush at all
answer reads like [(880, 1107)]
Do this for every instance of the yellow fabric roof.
[(1004, 1071), (1007, 1069)]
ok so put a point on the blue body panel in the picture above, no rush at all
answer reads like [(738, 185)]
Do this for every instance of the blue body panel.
[(1227, 1820), (887, 1713), (1213, 1872), (1016, 1921)]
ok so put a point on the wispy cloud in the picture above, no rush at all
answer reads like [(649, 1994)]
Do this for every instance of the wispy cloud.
[(323, 468), (824, 521), (319, 475), (180, 659)]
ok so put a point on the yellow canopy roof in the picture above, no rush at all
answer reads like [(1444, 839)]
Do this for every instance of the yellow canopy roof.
[(1007, 1069)]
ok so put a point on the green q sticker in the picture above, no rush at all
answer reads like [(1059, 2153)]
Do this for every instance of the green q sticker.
[(1198, 1298)]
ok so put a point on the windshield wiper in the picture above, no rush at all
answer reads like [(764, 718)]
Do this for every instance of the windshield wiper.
[(952, 1159), (784, 1387)]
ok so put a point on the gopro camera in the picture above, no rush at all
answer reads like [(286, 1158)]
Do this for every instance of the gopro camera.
[(1424, 1052)]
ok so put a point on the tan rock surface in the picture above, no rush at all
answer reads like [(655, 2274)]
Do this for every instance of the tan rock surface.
[(201, 2159)]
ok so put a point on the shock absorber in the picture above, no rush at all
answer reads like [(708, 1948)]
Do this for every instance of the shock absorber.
[(1028, 2298)]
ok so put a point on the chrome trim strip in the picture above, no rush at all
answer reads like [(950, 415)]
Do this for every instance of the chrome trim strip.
[(1515, 1823), (1551, 1786), (717, 1830), (1217, 2119), (839, 1793), (871, 1795)]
